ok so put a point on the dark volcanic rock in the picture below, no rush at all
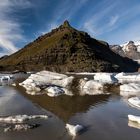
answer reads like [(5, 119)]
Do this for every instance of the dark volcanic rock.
[(67, 49)]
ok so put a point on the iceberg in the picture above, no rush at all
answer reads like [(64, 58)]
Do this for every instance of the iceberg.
[(91, 84), (53, 91), (135, 102), (130, 87), (127, 94), (108, 78), (53, 83), (91, 87), (127, 78), (48, 78)]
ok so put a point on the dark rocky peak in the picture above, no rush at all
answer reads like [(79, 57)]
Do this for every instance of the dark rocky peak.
[(66, 24), (131, 46), (130, 43)]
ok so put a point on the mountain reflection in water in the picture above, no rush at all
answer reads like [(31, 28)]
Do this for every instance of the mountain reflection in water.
[(67, 106)]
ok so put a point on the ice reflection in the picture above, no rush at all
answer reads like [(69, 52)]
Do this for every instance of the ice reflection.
[(9, 79), (134, 124), (6, 80)]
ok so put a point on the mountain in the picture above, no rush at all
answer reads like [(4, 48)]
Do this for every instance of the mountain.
[(130, 49), (3, 57), (67, 49)]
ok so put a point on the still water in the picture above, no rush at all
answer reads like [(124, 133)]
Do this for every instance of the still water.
[(104, 116)]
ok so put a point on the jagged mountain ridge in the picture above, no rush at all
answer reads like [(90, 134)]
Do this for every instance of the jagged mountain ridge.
[(67, 49), (130, 49)]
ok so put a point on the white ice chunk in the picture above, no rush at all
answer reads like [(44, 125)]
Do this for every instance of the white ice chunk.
[(105, 78), (54, 91), (127, 78), (134, 101), (74, 129), (52, 75), (134, 118), (91, 84), (128, 94), (47, 78), (130, 87)]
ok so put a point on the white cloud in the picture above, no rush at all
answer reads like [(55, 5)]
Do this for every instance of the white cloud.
[(10, 28)]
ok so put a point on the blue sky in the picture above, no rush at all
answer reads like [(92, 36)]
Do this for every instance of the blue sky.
[(21, 21)]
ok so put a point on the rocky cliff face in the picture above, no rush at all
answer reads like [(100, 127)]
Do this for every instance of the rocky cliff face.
[(130, 50), (67, 49)]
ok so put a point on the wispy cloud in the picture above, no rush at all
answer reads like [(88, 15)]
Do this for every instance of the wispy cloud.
[(108, 23), (65, 11), (113, 20), (126, 34), (10, 28), (98, 24), (105, 19)]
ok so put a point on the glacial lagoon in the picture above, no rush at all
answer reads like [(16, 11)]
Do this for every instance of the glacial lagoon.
[(103, 116)]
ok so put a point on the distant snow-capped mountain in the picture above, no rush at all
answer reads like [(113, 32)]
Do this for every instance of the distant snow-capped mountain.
[(130, 49)]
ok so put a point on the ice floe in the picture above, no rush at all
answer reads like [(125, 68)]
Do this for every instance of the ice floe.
[(105, 78), (130, 87), (134, 101), (21, 118), (127, 94), (46, 77), (74, 129), (54, 91), (53, 83), (80, 73), (134, 118), (92, 87), (127, 77), (91, 84)]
